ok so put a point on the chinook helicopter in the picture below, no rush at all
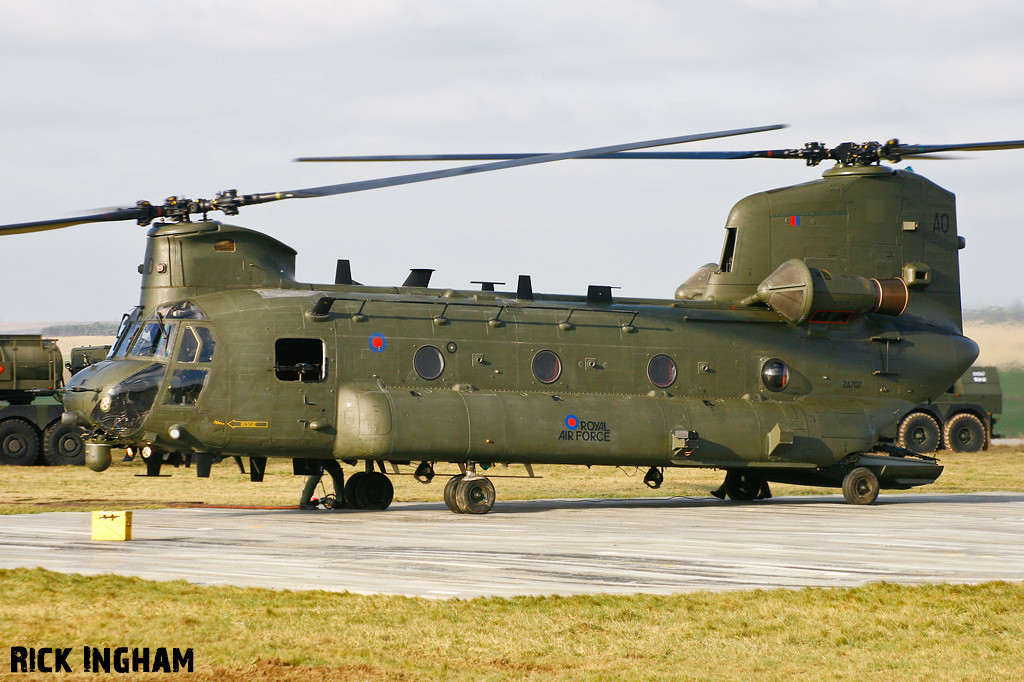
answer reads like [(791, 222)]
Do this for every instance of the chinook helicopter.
[(833, 311)]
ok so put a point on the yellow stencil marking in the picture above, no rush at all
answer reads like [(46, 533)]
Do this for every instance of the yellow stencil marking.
[(240, 424)]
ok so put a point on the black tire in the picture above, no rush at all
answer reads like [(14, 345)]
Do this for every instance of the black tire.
[(474, 495), (742, 486), (155, 461), (352, 486), (449, 492), (919, 433), (19, 443), (860, 486), (965, 432), (374, 491), (62, 445)]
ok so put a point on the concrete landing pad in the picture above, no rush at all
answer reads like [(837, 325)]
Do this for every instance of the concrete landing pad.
[(658, 546)]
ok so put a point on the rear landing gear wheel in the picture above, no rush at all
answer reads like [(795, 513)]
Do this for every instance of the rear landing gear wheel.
[(474, 495), (449, 492), (860, 486), (742, 486), (919, 433), (965, 433)]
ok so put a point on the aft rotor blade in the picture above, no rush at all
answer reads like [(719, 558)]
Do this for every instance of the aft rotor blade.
[(359, 186), (493, 157), (914, 149)]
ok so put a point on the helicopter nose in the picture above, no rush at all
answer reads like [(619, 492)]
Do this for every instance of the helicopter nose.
[(115, 397)]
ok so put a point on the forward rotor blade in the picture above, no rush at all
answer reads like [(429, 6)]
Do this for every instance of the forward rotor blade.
[(360, 186), (229, 201), (43, 225)]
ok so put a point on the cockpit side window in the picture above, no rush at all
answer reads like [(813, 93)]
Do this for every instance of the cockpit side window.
[(208, 344), (185, 386), (196, 344), (189, 346)]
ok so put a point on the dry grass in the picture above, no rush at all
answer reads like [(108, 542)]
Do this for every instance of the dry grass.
[(36, 489), (1001, 344), (885, 632), (880, 632)]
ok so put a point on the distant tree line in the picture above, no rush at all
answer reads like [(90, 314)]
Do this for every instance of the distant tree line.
[(83, 329), (995, 314)]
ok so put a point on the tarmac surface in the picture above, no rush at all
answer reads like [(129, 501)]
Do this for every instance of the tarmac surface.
[(543, 547)]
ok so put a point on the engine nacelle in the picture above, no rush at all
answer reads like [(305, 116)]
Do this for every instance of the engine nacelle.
[(802, 294)]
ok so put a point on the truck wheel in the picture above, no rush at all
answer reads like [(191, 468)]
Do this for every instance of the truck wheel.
[(965, 433), (919, 433), (860, 486), (62, 444), (19, 442)]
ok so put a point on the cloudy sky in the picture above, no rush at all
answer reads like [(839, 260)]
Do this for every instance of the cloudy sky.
[(102, 104)]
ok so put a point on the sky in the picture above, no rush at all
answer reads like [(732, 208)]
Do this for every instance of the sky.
[(107, 103)]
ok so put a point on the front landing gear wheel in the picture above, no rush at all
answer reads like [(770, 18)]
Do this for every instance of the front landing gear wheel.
[(474, 495), (860, 486), (449, 492), (369, 490), (742, 486), (351, 486)]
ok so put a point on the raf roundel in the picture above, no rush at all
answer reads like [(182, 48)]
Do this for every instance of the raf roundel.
[(378, 342), (571, 422)]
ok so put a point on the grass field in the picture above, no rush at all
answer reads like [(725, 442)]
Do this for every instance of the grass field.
[(38, 489), (878, 632)]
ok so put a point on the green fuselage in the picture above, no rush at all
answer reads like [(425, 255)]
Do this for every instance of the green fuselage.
[(344, 384)]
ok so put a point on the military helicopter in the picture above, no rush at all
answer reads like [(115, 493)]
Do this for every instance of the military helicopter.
[(833, 311)]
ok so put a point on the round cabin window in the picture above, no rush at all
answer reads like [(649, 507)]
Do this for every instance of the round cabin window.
[(429, 362), (661, 370), (547, 367), (775, 375)]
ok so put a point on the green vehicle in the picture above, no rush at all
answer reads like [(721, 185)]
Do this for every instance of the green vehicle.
[(84, 356), (833, 312), (961, 419), (31, 431)]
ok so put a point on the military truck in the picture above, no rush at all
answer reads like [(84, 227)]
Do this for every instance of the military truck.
[(84, 356), (31, 431), (960, 420)]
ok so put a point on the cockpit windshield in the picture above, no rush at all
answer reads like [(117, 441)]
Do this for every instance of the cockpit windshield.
[(155, 340), (130, 325), (155, 337)]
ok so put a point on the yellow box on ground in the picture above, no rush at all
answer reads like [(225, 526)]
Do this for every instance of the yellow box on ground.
[(111, 525)]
